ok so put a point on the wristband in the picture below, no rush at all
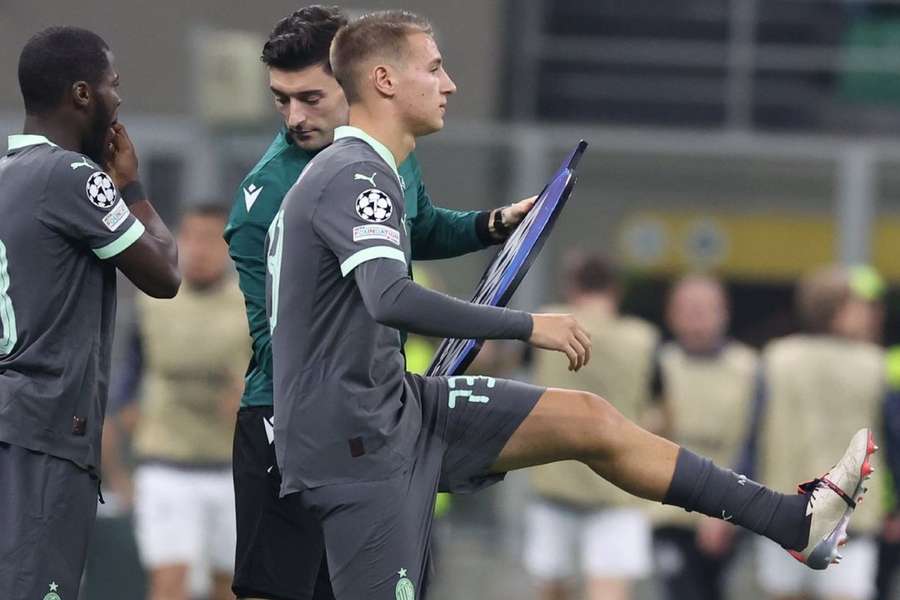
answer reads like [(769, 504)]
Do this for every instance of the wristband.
[(483, 228), (498, 227), (133, 192)]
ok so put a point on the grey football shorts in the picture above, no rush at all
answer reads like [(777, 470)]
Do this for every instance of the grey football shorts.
[(377, 532), (49, 506)]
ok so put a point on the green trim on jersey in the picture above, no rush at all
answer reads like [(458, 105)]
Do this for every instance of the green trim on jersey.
[(20, 140), (371, 253), (121, 243), (434, 233)]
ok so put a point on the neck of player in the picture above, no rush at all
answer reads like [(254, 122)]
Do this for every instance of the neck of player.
[(60, 134), (389, 131)]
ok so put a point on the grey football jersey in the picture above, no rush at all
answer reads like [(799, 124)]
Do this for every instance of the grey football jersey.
[(61, 217), (340, 409)]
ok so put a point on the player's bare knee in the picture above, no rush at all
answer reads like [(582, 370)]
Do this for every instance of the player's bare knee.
[(598, 423)]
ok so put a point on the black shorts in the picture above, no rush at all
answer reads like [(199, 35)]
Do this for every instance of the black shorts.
[(48, 509), (280, 551), (378, 532)]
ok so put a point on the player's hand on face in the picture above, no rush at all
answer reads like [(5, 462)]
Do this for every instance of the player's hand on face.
[(121, 159), (564, 334), (512, 215)]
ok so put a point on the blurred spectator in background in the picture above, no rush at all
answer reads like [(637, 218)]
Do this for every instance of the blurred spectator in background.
[(577, 513), (868, 288), (705, 384), (189, 356), (819, 387)]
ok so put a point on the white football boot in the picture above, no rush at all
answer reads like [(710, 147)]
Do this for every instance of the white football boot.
[(832, 499)]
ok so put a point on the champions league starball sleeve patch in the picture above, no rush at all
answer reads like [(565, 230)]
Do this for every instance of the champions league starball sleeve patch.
[(510, 265), (101, 190), (374, 206)]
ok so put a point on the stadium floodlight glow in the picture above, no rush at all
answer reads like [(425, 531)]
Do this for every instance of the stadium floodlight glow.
[(509, 267)]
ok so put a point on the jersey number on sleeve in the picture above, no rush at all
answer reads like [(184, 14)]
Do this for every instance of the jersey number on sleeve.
[(273, 264), (7, 314)]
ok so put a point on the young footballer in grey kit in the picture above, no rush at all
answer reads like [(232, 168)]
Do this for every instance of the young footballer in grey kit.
[(73, 211), (364, 444), (280, 549)]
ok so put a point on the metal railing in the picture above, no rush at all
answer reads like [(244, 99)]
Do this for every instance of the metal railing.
[(736, 58)]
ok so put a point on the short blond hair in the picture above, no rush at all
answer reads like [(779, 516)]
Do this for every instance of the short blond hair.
[(383, 34)]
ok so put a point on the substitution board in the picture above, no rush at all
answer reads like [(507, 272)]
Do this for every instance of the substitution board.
[(509, 267)]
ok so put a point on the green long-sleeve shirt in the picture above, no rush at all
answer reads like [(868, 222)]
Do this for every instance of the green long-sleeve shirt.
[(434, 232)]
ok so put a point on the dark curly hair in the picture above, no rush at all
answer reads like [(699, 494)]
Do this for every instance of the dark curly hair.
[(303, 38), (54, 59)]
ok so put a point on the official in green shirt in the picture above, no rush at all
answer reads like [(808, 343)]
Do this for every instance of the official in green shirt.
[(435, 233), (280, 550)]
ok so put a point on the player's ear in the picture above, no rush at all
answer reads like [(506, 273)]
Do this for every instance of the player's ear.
[(81, 94), (385, 79)]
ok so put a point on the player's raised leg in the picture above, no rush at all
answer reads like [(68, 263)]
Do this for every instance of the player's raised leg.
[(571, 425)]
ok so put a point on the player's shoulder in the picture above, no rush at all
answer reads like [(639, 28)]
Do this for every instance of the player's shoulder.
[(336, 171), (345, 154), (68, 167), (258, 198), (262, 190), (58, 164), (69, 161), (279, 168), (281, 160), (74, 172)]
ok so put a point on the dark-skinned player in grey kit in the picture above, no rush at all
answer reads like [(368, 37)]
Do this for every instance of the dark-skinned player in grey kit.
[(73, 212), (367, 445)]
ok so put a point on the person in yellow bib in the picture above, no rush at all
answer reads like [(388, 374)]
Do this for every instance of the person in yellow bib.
[(705, 385), (819, 386), (574, 510)]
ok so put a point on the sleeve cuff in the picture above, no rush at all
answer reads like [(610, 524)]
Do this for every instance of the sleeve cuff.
[(527, 326), (122, 242)]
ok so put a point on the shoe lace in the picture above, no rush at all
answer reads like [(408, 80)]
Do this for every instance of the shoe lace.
[(811, 487)]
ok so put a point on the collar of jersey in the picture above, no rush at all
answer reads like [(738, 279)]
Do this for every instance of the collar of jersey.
[(20, 140), (345, 131)]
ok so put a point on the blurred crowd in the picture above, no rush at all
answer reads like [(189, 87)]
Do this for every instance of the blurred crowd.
[(769, 412)]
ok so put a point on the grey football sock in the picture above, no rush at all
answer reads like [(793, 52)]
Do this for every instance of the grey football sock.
[(699, 485)]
